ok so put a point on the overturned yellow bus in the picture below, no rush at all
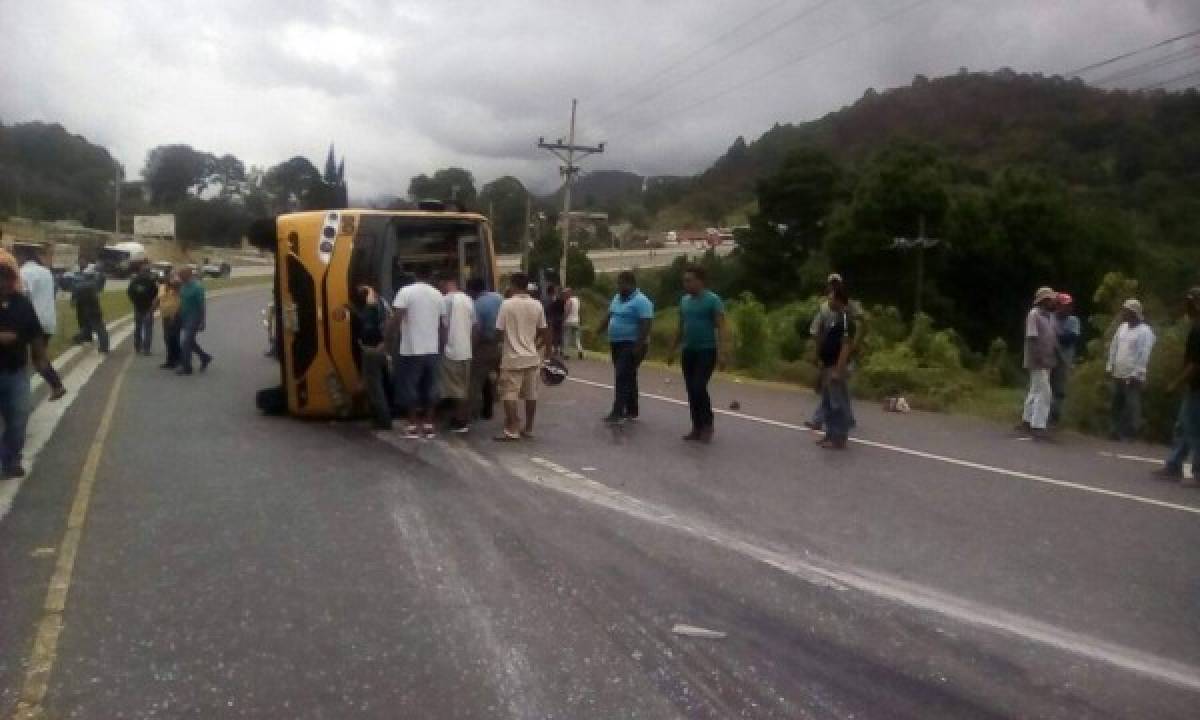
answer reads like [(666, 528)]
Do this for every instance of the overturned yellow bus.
[(321, 257)]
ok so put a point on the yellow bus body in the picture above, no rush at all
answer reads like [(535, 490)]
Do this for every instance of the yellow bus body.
[(322, 256)]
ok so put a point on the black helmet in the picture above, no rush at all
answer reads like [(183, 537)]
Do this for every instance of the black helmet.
[(554, 371)]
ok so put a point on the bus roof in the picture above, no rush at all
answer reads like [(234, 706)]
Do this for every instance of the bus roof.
[(391, 213)]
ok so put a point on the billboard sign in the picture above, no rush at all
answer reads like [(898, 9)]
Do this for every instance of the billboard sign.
[(154, 225)]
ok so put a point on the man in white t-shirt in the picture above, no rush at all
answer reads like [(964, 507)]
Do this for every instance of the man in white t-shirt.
[(418, 321), (454, 378)]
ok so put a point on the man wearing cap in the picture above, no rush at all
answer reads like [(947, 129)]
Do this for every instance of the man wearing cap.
[(1128, 357), (820, 325), (1041, 355), (1187, 427), (1067, 325)]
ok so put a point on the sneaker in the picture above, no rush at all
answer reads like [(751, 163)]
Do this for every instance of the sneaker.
[(1168, 473), (693, 436), (412, 432), (205, 362), (815, 427), (183, 371), (429, 431), (16, 471), (614, 420), (168, 366), (58, 394), (459, 428)]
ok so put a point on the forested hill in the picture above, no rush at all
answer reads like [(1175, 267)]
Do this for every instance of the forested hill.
[(1090, 138)]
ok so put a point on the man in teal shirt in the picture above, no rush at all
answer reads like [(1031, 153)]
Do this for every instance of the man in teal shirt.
[(701, 331), (191, 322), (627, 323)]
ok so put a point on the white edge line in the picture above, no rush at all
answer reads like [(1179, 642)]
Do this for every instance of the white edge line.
[(44, 418), (932, 456)]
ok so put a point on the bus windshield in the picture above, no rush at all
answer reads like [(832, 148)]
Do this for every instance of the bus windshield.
[(384, 255)]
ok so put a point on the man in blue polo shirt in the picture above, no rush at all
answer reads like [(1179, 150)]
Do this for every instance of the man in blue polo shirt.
[(628, 325)]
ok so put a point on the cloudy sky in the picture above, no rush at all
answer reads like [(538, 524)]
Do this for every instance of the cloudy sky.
[(406, 87)]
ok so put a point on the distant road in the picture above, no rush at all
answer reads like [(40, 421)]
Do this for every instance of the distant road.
[(616, 260), (237, 272)]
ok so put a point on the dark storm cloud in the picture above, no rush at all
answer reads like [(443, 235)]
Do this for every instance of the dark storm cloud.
[(406, 87)]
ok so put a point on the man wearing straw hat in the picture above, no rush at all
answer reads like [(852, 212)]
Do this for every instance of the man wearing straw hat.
[(1041, 355)]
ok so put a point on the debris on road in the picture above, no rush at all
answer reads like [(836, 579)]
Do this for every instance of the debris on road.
[(698, 632)]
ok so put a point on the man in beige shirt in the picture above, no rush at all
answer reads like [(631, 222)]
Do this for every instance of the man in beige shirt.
[(522, 324)]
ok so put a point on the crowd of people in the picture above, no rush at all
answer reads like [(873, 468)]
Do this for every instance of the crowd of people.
[(435, 346), (1052, 335)]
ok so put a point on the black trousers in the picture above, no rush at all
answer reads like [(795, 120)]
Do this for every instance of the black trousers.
[(698, 366), (171, 339), (626, 361)]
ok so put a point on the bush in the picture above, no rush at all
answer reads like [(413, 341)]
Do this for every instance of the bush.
[(750, 333)]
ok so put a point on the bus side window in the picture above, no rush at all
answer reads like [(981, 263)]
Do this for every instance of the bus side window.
[(364, 267)]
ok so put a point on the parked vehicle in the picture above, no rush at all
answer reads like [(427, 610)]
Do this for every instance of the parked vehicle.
[(122, 260)]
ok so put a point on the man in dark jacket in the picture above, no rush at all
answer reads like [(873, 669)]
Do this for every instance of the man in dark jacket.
[(85, 296), (143, 294)]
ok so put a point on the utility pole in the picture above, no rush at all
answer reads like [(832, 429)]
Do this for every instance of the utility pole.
[(525, 232), (568, 153), (920, 243), (117, 205)]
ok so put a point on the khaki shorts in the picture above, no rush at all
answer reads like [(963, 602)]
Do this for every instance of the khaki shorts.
[(454, 379), (518, 384)]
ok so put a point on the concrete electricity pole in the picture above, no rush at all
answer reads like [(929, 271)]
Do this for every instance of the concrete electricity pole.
[(568, 153), (117, 205), (920, 244)]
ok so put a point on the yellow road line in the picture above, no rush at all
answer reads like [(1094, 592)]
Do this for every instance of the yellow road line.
[(45, 642)]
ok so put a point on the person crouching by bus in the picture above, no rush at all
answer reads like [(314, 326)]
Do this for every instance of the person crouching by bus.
[(368, 317), (168, 307), (418, 322), (485, 356), (454, 374)]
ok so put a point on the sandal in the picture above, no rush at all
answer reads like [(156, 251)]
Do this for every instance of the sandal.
[(505, 437)]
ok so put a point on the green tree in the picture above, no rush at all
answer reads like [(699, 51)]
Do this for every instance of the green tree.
[(173, 172), (452, 184), (794, 207), (505, 199), (289, 185)]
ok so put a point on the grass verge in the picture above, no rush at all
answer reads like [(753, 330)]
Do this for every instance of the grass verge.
[(115, 304)]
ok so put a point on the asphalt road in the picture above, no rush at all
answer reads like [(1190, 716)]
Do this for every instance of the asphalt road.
[(233, 565)]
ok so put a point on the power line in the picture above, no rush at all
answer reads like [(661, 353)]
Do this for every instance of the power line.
[(1146, 67), (1172, 81), (1139, 51), (715, 41), (774, 70), (739, 49)]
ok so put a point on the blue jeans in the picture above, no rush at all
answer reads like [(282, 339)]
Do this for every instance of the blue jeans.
[(836, 408), (1126, 409), (1187, 433), (416, 381), (14, 409), (143, 330), (189, 344)]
